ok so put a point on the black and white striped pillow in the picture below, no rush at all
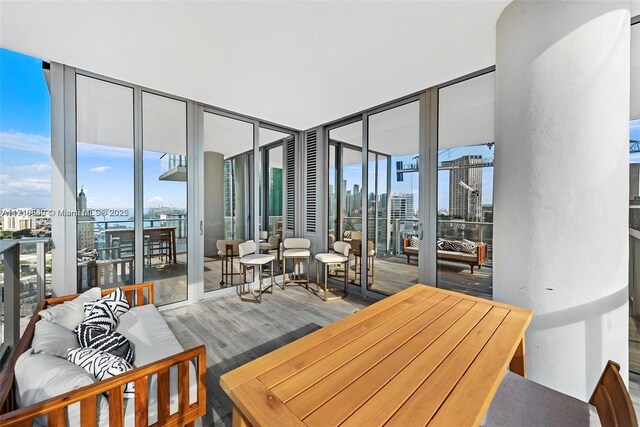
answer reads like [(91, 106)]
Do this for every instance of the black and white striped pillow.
[(117, 301), (102, 316), (451, 245), (415, 242), (102, 365), (100, 339)]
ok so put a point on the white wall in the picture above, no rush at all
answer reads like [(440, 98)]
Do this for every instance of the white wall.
[(561, 178)]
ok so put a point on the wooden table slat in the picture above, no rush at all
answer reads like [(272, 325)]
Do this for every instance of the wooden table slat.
[(282, 355), (313, 367), (405, 363), (484, 376), (426, 400), (413, 341), (424, 355), (310, 373), (261, 407)]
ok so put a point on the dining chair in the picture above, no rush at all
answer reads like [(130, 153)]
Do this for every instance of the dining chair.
[(522, 402), (612, 399)]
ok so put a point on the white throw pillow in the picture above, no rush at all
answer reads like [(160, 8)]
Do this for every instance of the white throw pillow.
[(70, 313), (52, 339), (40, 377)]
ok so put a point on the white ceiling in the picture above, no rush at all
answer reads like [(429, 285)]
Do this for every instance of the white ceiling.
[(295, 63)]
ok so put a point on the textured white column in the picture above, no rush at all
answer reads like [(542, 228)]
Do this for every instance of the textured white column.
[(561, 178)]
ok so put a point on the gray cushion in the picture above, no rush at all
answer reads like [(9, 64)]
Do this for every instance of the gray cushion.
[(39, 377), (52, 339), (70, 313), (521, 402), (152, 339), (461, 256)]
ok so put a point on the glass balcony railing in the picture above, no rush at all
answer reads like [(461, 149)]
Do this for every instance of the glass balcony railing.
[(170, 161), (26, 285), (101, 229)]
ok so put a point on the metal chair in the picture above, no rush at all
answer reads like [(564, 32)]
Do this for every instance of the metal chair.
[(338, 258), (228, 251), (250, 259), (273, 244), (357, 255), (296, 249)]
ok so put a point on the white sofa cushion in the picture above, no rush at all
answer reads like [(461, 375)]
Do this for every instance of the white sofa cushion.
[(52, 339), (39, 377), (70, 313), (152, 340)]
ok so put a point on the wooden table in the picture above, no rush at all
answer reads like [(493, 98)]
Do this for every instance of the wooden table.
[(422, 356)]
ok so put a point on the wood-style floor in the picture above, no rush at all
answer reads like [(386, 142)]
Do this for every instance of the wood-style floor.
[(237, 332)]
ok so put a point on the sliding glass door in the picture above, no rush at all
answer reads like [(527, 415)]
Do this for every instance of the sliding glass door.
[(226, 206)]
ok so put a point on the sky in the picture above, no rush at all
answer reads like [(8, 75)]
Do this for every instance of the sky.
[(105, 172), (25, 153)]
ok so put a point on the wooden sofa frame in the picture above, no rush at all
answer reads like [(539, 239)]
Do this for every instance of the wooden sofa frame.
[(481, 255), (55, 408)]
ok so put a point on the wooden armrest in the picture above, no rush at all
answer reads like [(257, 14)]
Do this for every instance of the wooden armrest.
[(56, 406)]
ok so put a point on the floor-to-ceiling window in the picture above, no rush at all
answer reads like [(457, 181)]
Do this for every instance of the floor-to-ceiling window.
[(271, 180), (105, 183), (25, 171), (346, 214), (393, 199), (226, 144), (164, 164), (465, 186)]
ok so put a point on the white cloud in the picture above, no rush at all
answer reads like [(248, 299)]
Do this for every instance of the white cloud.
[(100, 169), (157, 200), (25, 185), (25, 142)]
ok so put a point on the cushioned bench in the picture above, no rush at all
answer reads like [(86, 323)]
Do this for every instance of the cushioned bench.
[(410, 249), (169, 381)]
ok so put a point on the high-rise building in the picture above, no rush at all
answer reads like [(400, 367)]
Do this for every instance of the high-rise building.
[(465, 187), (401, 206), (85, 225), (634, 180), (18, 222)]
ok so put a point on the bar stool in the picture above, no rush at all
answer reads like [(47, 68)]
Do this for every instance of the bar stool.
[(339, 257), (250, 259), (357, 255), (298, 250), (273, 244), (227, 251)]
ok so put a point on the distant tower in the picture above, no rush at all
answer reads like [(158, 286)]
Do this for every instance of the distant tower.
[(462, 204), (85, 226)]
